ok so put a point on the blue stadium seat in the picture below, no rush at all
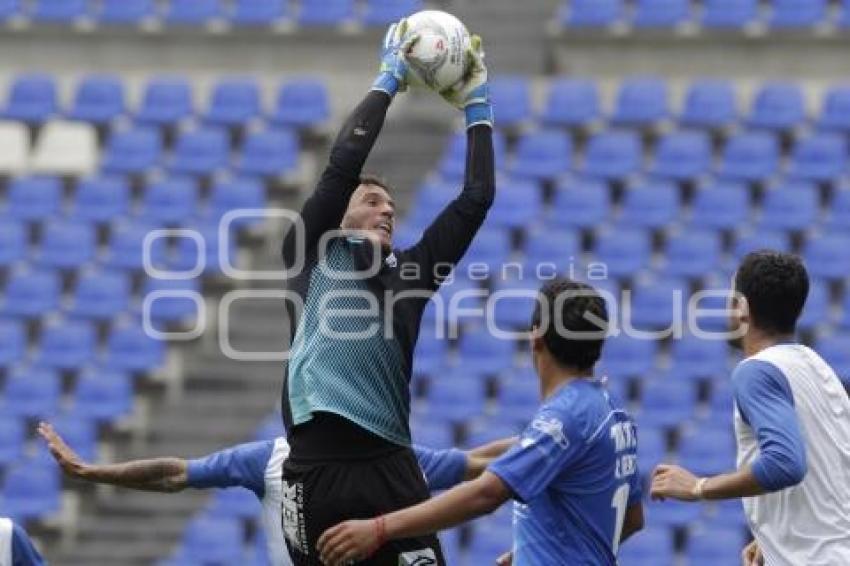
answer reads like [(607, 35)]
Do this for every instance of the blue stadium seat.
[(692, 357), (511, 96), (657, 304), (235, 195), (484, 353), (239, 503), (126, 246), (258, 12), (67, 244), (518, 397), (66, 345), (100, 295), (542, 155), (169, 201), (172, 309), (666, 401), (430, 354), (709, 103), (491, 247), (31, 392), (844, 14), (384, 12), (201, 152), (99, 99), (430, 198), (652, 445), (750, 156), (653, 205), (592, 13), (129, 348), (440, 303), (641, 101), (58, 11), (325, 12), (571, 102), (624, 251), (838, 211), (125, 11), (101, 199), (778, 106), (13, 342), (12, 438), (835, 350), (707, 450), (661, 13), (729, 13), (791, 206), (9, 9), (31, 293), (720, 398), (551, 246), (30, 492), (484, 431), (653, 548), (136, 150), (165, 101), (452, 164), (301, 103), (79, 431), (514, 303), (435, 434), (216, 540), (682, 155), (192, 12), (269, 153), (456, 396), (488, 542), (721, 206), (692, 253), (31, 98), (828, 255), (613, 154), (34, 198), (761, 239), (517, 203), (671, 513), (835, 114), (710, 314), (186, 252), (844, 321), (625, 357), (712, 546), (816, 311), (234, 101), (819, 157), (14, 241), (797, 13)]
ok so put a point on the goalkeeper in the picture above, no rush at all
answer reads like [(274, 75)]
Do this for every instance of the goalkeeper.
[(346, 399)]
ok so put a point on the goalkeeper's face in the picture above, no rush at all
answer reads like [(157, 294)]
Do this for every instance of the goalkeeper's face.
[(372, 210)]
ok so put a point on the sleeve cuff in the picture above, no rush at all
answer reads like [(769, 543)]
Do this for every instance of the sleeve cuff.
[(386, 82), (514, 484), (194, 473), (478, 114)]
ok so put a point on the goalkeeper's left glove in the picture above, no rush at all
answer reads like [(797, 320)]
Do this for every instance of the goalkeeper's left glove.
[(392, 77), (472, 93)]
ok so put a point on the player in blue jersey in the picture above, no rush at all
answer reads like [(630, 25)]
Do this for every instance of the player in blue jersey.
[(16, 548), (256, 466), (573, 475)]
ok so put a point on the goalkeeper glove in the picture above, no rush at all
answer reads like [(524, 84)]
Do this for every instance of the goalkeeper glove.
[(392, 77), (472, 93)]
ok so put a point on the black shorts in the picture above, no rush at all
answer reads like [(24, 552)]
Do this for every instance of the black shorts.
[(317, 496)]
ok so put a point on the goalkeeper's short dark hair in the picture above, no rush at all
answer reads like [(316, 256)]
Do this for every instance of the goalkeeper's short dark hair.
[(376, 180), (573, 319), (776, 286)]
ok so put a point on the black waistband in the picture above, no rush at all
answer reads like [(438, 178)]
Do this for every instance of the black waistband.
[(330, 437)]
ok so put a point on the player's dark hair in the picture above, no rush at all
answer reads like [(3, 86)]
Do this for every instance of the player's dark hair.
[(574, 320), (775, 285), (376, 180)]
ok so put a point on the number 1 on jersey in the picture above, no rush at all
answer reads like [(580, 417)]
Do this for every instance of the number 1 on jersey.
[(619, 502)]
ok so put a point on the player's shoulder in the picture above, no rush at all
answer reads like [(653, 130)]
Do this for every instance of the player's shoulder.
[(581, 407)]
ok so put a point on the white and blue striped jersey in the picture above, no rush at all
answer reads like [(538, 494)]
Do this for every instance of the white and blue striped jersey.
[(792, 424), (16, 548)]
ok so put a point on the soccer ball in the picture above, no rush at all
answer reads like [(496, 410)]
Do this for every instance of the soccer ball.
[(438, 58)]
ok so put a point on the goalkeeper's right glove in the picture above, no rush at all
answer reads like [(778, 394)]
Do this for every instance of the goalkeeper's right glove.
[(392, 76), (472, 93)]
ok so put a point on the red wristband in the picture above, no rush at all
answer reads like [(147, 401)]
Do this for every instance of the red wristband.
[(380, 534)]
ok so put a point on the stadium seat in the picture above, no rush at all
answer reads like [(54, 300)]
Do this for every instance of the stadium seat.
[(758, 240), (709, 305), (13, 342), (125, 11), (58, 11), (434, 434), (844, 320), (707, 450), (709, 103), (511, 96), (791, 206), (750, 156), (571, 102), (657, 304), (816, 311), (234, 101), (30, 492), (452, 166), (542, 155), (31, 98), (661, 13), (828, 256), (592, 13), (15, 141), (819, 157), (9, 9), (835, 350), (557, 246), (14, 242), (693, 357), (625, 357), (835, 114), (186, 253), (258, 12), (653, 205), (269, 153), (692, 253), (652, 444), (65, 148), (169, 201), (66, 345), (623, 251), (844, 14), (12, 438), (101, 199), (517, 203), (488, 541), (671, 513), (778, 106), (613, 155), (126, 246), (518, 396), (720, 206), (430, 354), (483, 431), (666, 401), (653, 548), (100, 295), (132, 151), (216, 540), (239, 503), (192, 12), (99, 99), (484, 353), (491, 247), (129, 348), (729, 13), (31, 293), (301, 103), (236, 195), (201, 152), (513, 302), (456, 396), (797, 13), (682, 156), (712, 546), (326, 12), (384, 12), (168, 308), (165, 101), (31, 393), (838, 211), (641, 101), (79, 431), (66, 244)]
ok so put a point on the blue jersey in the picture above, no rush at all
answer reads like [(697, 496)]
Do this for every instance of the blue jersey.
[(442, 468), (573, 474), (16, 548)]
